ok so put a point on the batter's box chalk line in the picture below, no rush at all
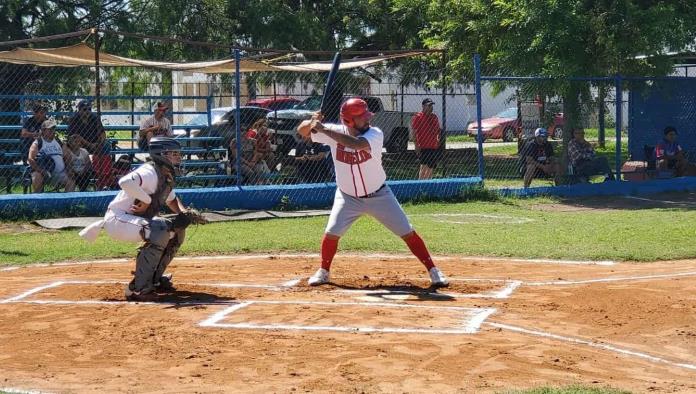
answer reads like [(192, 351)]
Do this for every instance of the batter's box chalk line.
[(22, 298), (506, 289), (472, 318), (593, 344)]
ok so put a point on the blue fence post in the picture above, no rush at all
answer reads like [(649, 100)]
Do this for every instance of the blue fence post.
[(237, 125), (479, 135), (619, 117)]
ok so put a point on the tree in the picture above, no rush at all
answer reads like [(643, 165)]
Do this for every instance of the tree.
[(561, 38)]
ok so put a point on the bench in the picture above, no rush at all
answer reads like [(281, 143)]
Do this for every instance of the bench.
[(206, 179)]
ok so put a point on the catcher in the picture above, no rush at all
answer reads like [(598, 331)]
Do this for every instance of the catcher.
[(133, 216)]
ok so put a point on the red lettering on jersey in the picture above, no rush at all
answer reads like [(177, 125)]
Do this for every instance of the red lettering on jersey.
[(351, 157)]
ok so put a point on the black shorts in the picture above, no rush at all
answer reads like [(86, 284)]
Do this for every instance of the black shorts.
[(429, 157)]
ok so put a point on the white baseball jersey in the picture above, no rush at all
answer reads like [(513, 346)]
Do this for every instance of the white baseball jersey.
[(358, 172), (164, 124), (146, 177), (55, 150)]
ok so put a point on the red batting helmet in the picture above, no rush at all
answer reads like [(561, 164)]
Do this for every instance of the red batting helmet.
[(354, 108)]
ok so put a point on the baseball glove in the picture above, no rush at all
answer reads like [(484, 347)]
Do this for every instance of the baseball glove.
[(187, 218)]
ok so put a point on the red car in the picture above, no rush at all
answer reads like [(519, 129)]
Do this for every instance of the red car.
[(506, 125), (274, 104)]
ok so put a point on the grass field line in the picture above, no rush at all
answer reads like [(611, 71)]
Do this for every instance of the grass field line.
[(317, 255), (591, 343)]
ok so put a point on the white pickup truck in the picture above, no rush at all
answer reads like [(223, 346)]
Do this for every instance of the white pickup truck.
[(395, 125)]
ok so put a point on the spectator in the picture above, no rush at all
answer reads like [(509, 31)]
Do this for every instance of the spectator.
[(92, 136), (536, 158), (670, 155), (252, 168), (313, 161), (46, 160), (80, 169), (155, 126), (262, 149), (426, 128), (31, 130), (582, 157), (253, 130)]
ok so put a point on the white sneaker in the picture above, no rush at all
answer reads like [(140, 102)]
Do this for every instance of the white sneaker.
[(437, 278), (319, 278)]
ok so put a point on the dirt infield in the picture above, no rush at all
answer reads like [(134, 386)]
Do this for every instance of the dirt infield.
[(251, 324)]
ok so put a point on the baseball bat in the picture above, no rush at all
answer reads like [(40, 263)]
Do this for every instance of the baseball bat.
[(330, 83)]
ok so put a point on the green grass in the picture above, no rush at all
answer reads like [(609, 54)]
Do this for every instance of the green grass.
[(615, 235), (119, 134), (575, 389)]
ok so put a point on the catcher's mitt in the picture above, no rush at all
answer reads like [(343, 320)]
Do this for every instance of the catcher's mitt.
[(188, 217)]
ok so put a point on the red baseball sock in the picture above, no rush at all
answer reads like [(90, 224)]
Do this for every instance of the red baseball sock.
[(418, 248), (329, 245)]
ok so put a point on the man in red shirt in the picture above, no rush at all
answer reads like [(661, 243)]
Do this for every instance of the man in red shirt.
[(426, 128)]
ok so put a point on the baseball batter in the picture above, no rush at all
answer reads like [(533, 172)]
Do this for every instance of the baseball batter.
[(132, 216), (356, 148)]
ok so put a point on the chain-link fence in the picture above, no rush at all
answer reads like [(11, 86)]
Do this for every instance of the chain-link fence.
[(585, 136), (236, 129), (237, 120)]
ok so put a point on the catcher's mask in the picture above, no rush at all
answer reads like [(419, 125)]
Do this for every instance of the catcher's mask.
[(158, 146), (355, 108)]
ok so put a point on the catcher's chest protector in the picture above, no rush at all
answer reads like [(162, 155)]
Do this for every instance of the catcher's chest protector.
[(165, 184)]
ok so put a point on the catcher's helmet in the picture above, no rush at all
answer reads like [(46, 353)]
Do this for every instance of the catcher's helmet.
[(354, 108), (159, 145)]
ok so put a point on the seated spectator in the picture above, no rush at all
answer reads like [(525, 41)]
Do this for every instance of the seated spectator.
[(92, 136), (31, 130), (252, 168), (46, 160), (582, 157), (80, 168), (263, 150), (536, 159), (670, 155), (155, 126), (313, 161)]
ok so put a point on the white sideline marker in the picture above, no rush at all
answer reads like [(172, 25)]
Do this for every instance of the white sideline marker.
[(610, 279), (13, 390), (591, 343), (505, 292), (472, 324)]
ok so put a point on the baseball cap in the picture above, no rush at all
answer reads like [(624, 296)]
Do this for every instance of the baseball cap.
[(84, 104), (428, 101), (48, 123), (160, 106), (541, 132)]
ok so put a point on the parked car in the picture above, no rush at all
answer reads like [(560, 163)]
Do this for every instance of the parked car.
[(274, 104), (393, 124), (506, 125), (201, 120), (225, 126)]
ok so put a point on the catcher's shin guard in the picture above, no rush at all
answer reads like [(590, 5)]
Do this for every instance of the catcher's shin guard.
[(149, 255), (168, 254)]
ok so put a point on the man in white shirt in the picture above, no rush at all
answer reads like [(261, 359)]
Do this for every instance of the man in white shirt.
[(133, 216), (356, 149), (46, 158), (155, 126)]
